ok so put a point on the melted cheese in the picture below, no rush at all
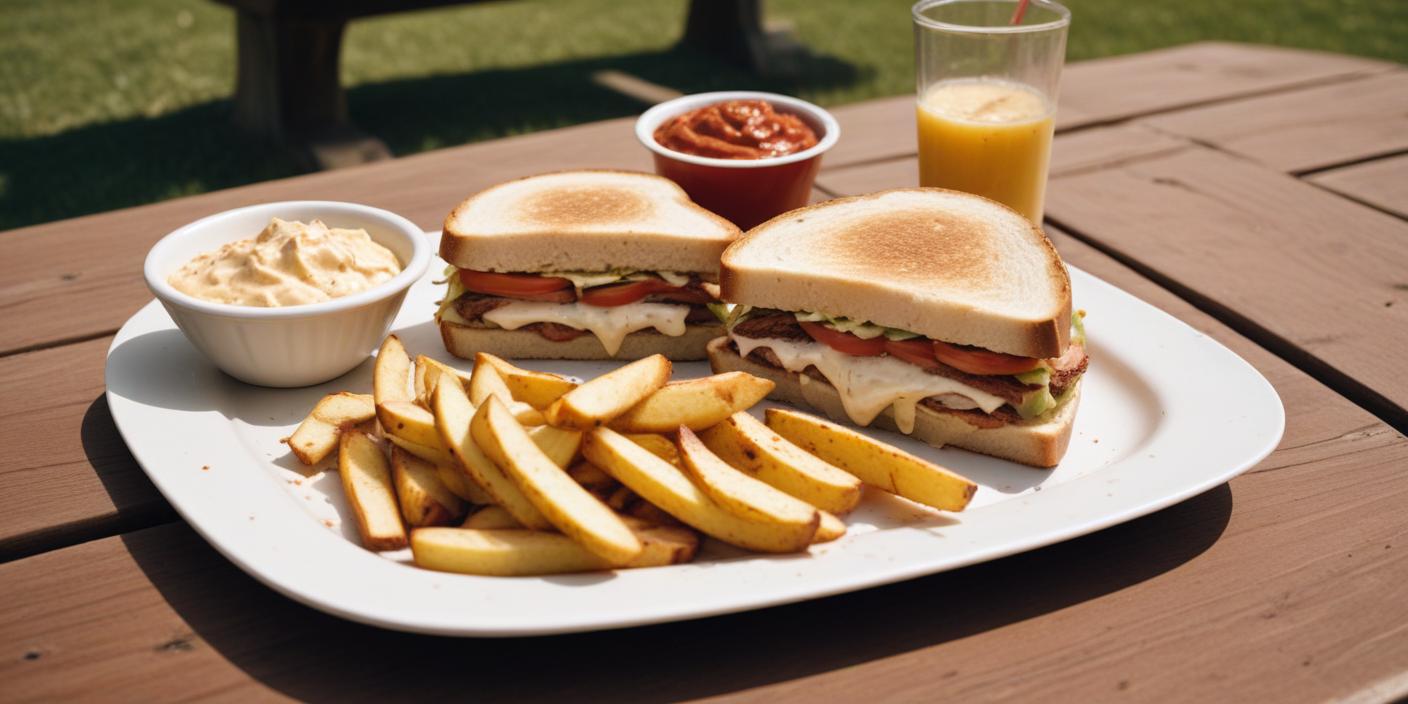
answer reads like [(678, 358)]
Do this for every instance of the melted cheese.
[(869, 385), (611, 325)]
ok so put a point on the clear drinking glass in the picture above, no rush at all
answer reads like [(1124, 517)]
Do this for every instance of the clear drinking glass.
[(987, 95)]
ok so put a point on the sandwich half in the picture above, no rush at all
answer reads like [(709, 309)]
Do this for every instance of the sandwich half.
[(582, 265), (942, 315)]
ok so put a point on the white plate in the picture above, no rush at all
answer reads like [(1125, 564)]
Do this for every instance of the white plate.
[(1149, 434)]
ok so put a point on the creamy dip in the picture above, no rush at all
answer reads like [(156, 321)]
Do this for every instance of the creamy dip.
[(288, 264)]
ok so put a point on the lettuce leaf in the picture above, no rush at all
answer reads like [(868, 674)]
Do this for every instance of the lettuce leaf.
[(860, 328)]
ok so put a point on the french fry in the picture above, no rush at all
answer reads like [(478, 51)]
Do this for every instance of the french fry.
[(876, 463), (561, 446), (453, 415), (408, 421), (486, 382), (621, 498), (316, 437), (665, 486), (694, 403), (740, 494), (537, 389), (830, 528), (510, 553), (424, 499), (590, 476), (491, 518), (744, 442), (646, 511), (659, 445), (599, 401), (408, 426), (391, 372), (435, 455), (434, 371), (662, 544), (564, 502), (461, 484), (420, 396), (366, 480), (630, 504)]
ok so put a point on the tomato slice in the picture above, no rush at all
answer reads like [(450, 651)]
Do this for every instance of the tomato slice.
[(525, 286), (917, 351), (979, 361), (621, 294), (844, 341)]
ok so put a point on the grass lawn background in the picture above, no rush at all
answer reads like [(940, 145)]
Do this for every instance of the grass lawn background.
[(112, 104)]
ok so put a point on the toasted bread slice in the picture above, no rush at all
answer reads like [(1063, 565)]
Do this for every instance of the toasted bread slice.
[(1040, 442), (951, 266), (586, 221), (463, 341)]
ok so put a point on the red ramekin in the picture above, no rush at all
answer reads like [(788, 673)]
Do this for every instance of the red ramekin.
[(746, 191)]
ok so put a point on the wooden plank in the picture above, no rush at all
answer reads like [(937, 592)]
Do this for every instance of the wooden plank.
[(1316, 278), (873, 130), (1304, 130), (1121, 87), (1071, 152), (871, 177), (1105, 146), (1302, 559), (1382, 183), (81, 277), (66, 475)]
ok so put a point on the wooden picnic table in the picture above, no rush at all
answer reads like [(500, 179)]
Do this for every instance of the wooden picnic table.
[(1257, 194)]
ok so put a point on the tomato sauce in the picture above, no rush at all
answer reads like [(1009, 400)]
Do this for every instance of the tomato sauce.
[(736, 129)]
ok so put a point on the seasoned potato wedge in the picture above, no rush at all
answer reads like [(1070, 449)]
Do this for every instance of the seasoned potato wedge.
[(665, 486), (561, 446), (434, 455), (568, 506), (486, 382), (428, 373), (537, 389), (511, 553), (453, 415), (419, 394), (491, 518), (659, 445), (408, 421), (744, 442), (424, 499), (694, 403), (462, 485), (739, 493), (391, 373), (590, 476), (366, 480), (316, 437), (599, 401), (830, 528), (876, 463)]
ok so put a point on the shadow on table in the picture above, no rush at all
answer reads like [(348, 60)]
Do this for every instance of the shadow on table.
[(138, 503), (308, 655), (129, 162)]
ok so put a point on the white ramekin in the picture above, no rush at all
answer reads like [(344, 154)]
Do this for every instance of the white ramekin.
[(293, 345)]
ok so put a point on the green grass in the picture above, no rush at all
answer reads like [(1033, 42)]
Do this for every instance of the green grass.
[(105, 105)]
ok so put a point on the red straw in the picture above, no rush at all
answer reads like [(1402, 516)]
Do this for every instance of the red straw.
[(1021, 10)]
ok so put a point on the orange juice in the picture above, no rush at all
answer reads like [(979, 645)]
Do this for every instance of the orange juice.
[(988, 137)]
